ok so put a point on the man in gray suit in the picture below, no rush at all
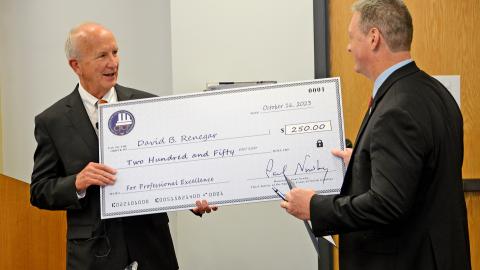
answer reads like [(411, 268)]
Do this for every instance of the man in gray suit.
[(67, 175), (401, 205)]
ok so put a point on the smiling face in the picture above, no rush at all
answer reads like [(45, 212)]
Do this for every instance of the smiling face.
[(359, 45), (96, 62)]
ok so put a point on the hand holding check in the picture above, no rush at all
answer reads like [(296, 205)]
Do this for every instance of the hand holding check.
[(305, 214), (203, 207), (345, 155), (298, 202)]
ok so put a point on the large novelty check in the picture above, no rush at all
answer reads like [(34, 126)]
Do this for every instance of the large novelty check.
[(228, 147)]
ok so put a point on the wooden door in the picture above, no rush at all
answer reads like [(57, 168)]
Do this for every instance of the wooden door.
[(445, 42)]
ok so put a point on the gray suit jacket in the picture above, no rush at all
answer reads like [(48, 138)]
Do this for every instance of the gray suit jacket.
[(401, 205), (66, 143)]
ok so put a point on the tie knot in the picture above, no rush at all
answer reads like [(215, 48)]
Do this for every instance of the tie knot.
[(100, 101)]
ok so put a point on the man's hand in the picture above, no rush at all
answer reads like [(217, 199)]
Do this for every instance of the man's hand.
[(343, 154), (202, 207), (95, 174), (298, 203)]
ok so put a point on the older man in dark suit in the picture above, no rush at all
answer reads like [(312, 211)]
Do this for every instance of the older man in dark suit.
[(401, 205), (67, 175)]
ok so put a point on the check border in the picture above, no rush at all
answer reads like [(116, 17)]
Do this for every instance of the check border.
[(335, 80)]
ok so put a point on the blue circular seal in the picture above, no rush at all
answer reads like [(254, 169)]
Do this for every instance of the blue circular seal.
[(121, 122)]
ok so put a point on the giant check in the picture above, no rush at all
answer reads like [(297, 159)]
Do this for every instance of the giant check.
[(228, 147)]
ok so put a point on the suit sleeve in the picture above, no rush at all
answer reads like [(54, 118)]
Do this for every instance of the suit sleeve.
[(49, 188), (397, 147)]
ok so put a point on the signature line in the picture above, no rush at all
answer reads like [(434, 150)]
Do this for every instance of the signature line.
[(281, 176)]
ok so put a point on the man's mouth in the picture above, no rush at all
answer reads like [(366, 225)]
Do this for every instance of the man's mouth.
[(109, 74)]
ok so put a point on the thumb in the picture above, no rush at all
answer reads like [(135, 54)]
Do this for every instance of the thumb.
[(338, 153)]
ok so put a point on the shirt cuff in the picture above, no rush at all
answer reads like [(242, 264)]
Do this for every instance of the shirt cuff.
[(81, 194)]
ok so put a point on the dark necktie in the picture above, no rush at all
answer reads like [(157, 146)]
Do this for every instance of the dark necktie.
[(100, 101), (365, 118), (370, 104)]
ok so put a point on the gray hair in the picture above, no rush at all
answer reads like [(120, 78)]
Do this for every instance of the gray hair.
[(70, 45), (71, 48), (392, 19)]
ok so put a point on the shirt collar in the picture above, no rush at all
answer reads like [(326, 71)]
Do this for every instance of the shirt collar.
[(381, 79), (110, 96), (90, 100)]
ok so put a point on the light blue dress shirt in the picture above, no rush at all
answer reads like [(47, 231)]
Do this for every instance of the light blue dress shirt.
[(381, 79)]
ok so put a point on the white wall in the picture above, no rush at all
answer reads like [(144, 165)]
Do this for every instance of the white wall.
[(34, 72), (210, 41), (247, 40)]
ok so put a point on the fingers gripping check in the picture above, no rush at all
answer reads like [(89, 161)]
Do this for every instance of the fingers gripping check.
[(95, 174)]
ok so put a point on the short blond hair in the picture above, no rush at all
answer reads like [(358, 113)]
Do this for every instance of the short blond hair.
[(391, 17)]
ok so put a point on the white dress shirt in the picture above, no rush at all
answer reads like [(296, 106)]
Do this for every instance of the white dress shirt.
[(91, 106), (90, 102)]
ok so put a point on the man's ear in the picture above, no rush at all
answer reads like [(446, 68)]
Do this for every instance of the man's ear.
[(74, 65), (374, 38)]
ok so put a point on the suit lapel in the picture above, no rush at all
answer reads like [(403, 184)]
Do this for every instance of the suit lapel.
[(394, 77), (402, 72), (123, 93), (78, 116), (364, 123)]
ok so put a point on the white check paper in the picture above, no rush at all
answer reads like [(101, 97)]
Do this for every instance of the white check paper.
[(228, 147)]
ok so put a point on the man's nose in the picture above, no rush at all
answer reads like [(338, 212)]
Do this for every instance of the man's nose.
[(112, 60), (349, 48)]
